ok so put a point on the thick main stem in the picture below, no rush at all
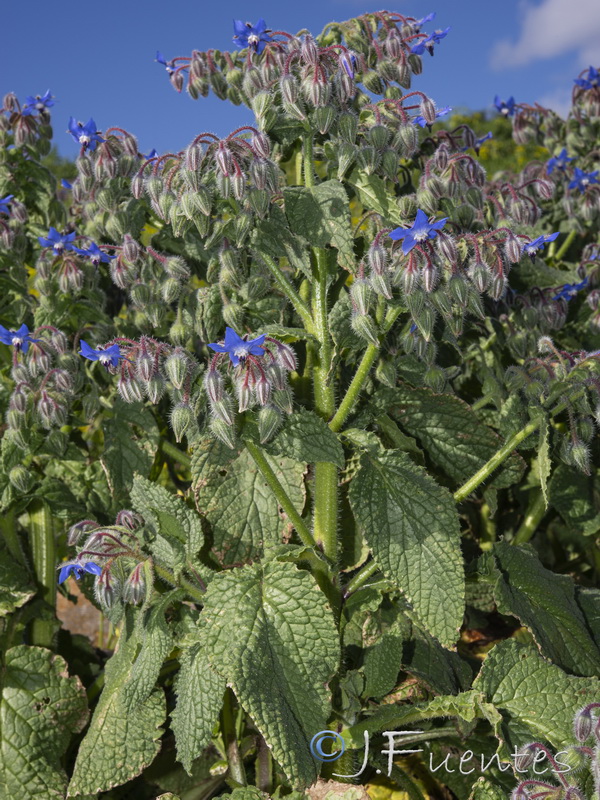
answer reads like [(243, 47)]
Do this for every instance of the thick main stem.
[(43, 549), (234, 757), (289, 291), (326, 477), (533, 516)]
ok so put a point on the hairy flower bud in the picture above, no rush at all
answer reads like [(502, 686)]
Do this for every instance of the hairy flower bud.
[(360, 294), (176, 367), (346, 155), (134, 588), (181, 419), (269, 421), (290, 89), (224, 432), (583, 724), (364, 326), (512, 249), (223, 409), (21, 478), (214, 385)]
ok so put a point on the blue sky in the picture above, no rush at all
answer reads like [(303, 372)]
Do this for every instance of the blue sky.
[(97, 59)]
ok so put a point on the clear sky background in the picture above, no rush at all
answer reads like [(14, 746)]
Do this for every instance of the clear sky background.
[(98, 58)]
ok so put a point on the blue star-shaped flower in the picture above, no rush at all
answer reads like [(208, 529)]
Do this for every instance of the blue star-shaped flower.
[(108, 357), (254, 37), (4, 201), (86, 135), (558, 162), (420, 231), (531, 248), (420, 120), (65, 184), (418, 23), (19, 339), (428, 43), (78, 569), (168, 65), (36, 104), (151, 154), (592, 81), (239, 349), (479, 142), (57, 242), (569, 290), (581, 180), (95, 254), (506, 109)]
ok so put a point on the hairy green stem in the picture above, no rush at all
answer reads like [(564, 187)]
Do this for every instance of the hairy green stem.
[(482, 402), (565, 245), (194, 591), (362, 373), (309, 175), (234, 758), (326, 477), (280, 493), (43, 549), (8, 530), (361, 577), (484, 473), (536, 510), (170, 450), (288, 289)]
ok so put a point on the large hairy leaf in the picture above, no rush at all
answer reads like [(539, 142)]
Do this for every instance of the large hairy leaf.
[(271, 635), (306, 437), (124, 733), (450, 432), (41, 707), (126, 453), (411, 525), (15, 588), (545, 602), (237, 501), (537, 699), (199, 698)]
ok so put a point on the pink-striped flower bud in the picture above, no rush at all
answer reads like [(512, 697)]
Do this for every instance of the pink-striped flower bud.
[(263, 390), (214, 385), (134, 588)]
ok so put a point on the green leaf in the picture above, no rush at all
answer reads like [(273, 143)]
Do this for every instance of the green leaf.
[(238, 503), (537, 699), (15, 588), (40, 709), (245, 793), (484, 789), (130, 442), (177, 528), (576, 498), (443, 671), (450, 432), (322, 216), (274, 238), (588, 600), (199, 692), (545, 602), (374, 196), (412, 528), (306, 437), (123, 736), (544, 462), (271, 635), (382, 664)]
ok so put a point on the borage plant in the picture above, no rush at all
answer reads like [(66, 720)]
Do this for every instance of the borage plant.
[(316, 402)]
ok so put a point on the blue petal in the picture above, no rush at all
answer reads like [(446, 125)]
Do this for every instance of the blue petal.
[(94, 569), (232, 340), (87, 352), (218, 348), (408, 244), (260, 27), (65, 572), (239, 27), (5, 335), (399, 233)]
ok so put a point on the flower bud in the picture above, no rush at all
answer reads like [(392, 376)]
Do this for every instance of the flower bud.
[(497, 286), (323, 118), (263, 390), (429, 277), (347, 126), (107, 589), (364, 326), (155, 388), (21, 478), (381, 284), (223, 432), (377, 258), (368, 159), (372, 82), (580, 456), (290, 89), (244, 395), (512, 249), (428, 110), (360, 294), (269, 421), (76, 531), (181, 419), (233, 316), (144, 365), (435, 378), (176, 367), (346, 155), (389, 164), (583, 724), (134, 588), (49, 411), (214, 385), (223, 409), (130, 389), (170, 290), (480, 275)]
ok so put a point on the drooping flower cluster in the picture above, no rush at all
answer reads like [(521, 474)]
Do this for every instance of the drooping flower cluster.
[(114, 554), (257, 370), (44, 373)]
